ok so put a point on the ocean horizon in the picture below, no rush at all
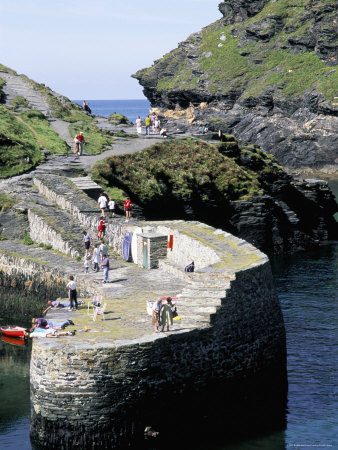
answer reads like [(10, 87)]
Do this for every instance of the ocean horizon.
[(129, 108)]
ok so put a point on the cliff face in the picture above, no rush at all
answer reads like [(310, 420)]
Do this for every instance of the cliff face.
[(266, 72)]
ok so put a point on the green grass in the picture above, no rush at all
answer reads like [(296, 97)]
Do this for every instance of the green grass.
[(19, 103), (97, 140), (19, 149), (27, 240), (228, 70), (46, 136), (6, 202)]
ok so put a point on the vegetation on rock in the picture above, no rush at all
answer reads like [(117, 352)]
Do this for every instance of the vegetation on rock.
[(6, 202), (187, 169), (276, 48), (266, 72), (119, 119)]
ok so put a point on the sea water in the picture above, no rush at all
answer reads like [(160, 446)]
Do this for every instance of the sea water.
[(307, 286), (129, 108)]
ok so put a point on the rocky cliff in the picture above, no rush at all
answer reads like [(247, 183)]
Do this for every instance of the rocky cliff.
[(266, 72)]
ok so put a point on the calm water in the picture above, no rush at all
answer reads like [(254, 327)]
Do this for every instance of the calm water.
[(129, 108), (14, 395), (307, 285)]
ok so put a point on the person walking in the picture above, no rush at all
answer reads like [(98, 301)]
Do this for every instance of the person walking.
[(102, 202), (103, 249), (82, 141), (127, 208), (72, 294), (96, 258), (111, 206), (105, 268), (147, 122), (153, 119), (86, 263), (156, 315), (76, 147), (167, 314), (87, 240), (101, 228), (139, 125), (157, 125)]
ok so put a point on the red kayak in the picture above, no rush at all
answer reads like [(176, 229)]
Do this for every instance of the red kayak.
[(13, 340), (13, 331)]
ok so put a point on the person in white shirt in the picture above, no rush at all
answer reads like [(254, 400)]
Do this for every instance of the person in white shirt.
[(102, 201), (96, 258), (72, 293), (103, 249), (111, 206), (139, 125)]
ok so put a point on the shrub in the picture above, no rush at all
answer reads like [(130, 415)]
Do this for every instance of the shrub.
[(27, 240)]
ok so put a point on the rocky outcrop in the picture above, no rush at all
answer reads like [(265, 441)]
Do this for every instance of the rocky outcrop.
[(234, 187), (264, 72)]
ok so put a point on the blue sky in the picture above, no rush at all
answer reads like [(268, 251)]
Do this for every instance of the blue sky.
[(88, 49)]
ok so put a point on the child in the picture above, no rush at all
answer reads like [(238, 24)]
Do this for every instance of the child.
[(111, 206), (101, 229), (127, 208), (96, 258), (87, 263)]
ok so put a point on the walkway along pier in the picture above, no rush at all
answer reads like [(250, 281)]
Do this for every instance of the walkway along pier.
[(227, 353)]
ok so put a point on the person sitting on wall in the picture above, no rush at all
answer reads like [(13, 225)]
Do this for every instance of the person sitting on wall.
[(163, 133), (190, 267)]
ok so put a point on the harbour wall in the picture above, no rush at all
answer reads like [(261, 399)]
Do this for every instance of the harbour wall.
[(228, 356)]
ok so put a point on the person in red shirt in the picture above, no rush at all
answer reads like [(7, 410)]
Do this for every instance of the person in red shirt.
[(101, 229), (127, 208), (81, 138)]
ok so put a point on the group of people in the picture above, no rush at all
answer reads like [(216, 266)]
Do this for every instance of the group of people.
[(98, 258), (163, 314), (79, 142), (104, 202), (41, 327), (151, 122)]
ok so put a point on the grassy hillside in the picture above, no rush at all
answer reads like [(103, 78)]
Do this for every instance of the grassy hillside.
[(25, 132), (188, 169), (19, 148)]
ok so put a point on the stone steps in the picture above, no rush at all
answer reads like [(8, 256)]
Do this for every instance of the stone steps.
[(57, 228), (16, 86), (173, 269)]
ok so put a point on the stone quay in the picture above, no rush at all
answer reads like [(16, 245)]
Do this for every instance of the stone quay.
[(100, 389)]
